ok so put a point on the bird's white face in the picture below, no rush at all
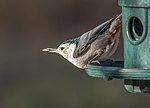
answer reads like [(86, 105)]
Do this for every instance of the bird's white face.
[(66, 50)]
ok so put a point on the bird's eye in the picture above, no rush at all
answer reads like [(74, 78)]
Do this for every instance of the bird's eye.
[(61, 48)]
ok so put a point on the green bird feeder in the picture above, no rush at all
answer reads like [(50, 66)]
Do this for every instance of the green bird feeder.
[(135, 69)]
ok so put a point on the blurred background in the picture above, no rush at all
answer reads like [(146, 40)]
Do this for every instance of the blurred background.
[(30, 78)]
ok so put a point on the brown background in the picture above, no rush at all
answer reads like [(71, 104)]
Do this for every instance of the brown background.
[(30, 78)]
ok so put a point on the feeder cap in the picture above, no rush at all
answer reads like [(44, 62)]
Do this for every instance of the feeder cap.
[(134, 3)]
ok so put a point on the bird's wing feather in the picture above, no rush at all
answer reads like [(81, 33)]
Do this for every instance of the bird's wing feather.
[(87, 38)]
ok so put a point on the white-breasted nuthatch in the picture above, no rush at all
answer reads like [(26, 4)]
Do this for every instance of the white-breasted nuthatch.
[(99, 43)]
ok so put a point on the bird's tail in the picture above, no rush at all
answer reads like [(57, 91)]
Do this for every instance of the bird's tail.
[(115, 25)]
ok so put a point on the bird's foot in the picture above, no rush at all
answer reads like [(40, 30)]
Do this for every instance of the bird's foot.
[(108, 62), (95, 62)]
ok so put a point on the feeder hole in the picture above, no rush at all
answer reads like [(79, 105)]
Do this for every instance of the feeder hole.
[(135, 28)]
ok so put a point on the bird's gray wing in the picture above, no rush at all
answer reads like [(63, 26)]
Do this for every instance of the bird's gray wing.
[(87, 38)]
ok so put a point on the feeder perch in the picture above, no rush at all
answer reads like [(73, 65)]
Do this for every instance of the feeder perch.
[(135, 69)]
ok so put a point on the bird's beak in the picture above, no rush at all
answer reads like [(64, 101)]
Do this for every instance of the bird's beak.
[(54, 50)]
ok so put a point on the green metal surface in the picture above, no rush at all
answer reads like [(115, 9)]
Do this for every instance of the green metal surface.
[(136, 45), (109, 72)]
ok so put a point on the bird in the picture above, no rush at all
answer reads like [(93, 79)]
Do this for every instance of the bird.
[(94, 46)]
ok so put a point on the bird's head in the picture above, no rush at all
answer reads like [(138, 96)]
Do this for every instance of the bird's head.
[(66, 49)]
